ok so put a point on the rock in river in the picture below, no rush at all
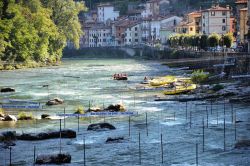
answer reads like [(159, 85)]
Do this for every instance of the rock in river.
[(242, 144), (8, 136), (45, 116), (9, 118), (114, 140), (47, 135), (53, 159), (55, 101), (100, 126), (4, 90)]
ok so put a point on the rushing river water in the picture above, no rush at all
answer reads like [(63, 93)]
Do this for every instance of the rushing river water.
[(84, 82)]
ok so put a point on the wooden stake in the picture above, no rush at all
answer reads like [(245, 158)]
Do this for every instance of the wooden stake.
[(139, 148), (162, 160), (129, 121), (147, 123), (78, 121), (186, 112), (84, 152), (207, 116), (197, 157), (235, 132), (224, 128), (34, 155), (60, 148), (64, 120), (10, 157), (203, 135)]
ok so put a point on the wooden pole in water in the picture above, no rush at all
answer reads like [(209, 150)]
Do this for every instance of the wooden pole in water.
[(190, 117), (174, 116), (162, 160), (129, 121), (60, 148), (34, 155), (217, 117), (84, 152), (211, 107), (207, 116), (10, 157), (78, 121), (232, 113), (224, 127), (147, 123), (64, 120), (139, 148), (197, 157), (203, 135), (235, 132), (186, 112)]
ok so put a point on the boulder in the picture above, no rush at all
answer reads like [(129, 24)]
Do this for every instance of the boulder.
[(8, 135), (242, 144), (9, 118), (4, 90), (53, 159), (47, 135), (114, 140), (1, 115), (45, 116), (101, 126), (55, 101), (115, 108)]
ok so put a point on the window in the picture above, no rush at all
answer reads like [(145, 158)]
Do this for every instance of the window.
[(203, 24), (174, 22), (130, 29), (103, 34), (223, 20), (135, 28), (191, 29), (129, 40), (136, 40), (203, 17), (223, 28), (136, 34), (212, 13), (104, 40), (223, 13)]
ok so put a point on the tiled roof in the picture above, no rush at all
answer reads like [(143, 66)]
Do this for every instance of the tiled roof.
[(241, 1), (217, 8)]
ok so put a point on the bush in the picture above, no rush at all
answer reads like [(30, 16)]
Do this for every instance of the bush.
[(217, 87), (79, 110), (2, 111), (198, 76), (25, 116)]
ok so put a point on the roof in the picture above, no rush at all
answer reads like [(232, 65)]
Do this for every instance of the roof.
[(127, 23), (217, 8), (195, 13), (244, 9), (241, 1), (104, 5), (156, 18)]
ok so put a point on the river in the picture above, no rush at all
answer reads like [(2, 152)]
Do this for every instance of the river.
[(89, 82)]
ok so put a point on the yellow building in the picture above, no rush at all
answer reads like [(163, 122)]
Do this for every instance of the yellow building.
[(243, 25), (192, 24)]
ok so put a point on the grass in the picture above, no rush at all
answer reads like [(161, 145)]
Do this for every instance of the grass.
[(25, 116), (198, 76), (2, 111), (79, 110)]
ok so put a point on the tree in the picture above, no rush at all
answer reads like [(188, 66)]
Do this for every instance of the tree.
[(203, 41), (213, 40), (228, 40)]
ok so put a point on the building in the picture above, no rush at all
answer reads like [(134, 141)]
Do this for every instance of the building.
[(216, 20), (106, 12), (100, 35), (133, 33), (191, 25), (152, 26), (240, 4)]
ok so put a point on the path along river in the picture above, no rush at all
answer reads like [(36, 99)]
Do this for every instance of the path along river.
[(80, 82)]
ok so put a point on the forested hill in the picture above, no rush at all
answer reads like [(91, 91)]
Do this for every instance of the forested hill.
[(178, 7), (37, 30)]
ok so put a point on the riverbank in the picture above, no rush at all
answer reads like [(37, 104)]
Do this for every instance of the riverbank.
[(5, 66)]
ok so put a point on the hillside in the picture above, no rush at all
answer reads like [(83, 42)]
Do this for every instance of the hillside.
[(178, 7)]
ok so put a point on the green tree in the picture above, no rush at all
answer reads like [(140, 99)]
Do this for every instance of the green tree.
[(213, 40), (228, 40)]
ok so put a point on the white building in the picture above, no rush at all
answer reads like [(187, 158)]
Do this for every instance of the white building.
[(151, 27), (133, 33), (215, 20), (106, 12), (100, 35)]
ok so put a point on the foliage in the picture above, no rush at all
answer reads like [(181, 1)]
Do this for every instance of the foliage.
[(198, 76), (213, 40), (37, 30), (227, 40), (25, 116), (217, 87), (79, 110), (1, 111)]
